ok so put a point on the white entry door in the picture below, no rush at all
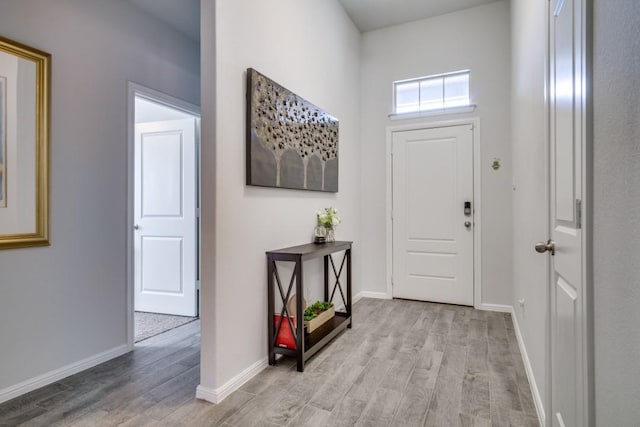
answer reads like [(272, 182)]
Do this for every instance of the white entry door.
[(432, 234), (567, 141), (165, 217)]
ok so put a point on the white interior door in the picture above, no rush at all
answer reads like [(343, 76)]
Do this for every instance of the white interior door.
[(432, 235), (567, 137), (165, 244)]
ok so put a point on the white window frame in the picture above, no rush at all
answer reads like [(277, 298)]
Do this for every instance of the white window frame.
[(432, 112)]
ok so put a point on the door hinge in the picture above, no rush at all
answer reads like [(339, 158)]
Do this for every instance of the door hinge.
[(197, 212), (578, 213), (197, 285)]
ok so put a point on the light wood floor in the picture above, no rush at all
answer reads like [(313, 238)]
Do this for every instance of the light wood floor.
[(404, 363)]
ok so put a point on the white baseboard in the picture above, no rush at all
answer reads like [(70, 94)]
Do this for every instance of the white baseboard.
[(376, 295), (219, 394), (58, 374), (537, 400), (495, 307)]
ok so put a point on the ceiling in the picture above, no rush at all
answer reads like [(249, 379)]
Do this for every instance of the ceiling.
[(375, 14), (182, 15)]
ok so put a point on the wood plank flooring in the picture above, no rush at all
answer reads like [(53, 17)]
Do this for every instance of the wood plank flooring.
[(404, 363)]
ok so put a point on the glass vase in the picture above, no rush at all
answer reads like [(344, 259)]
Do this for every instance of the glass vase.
[(331, 236)]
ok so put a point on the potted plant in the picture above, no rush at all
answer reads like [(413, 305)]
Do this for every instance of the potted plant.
[(317, 314)]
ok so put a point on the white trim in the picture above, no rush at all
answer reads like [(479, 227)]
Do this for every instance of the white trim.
[(60, 373), (537, 400), (477, 198), (389, 210), (433, 113), (136, 90), (500, 308), (547, 175), (158, 97), (219, 394), (375, 295)]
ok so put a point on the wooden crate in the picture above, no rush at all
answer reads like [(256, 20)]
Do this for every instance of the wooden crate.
[(323, 317)]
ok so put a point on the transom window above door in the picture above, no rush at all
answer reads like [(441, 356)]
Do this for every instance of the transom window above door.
[(431, 93)]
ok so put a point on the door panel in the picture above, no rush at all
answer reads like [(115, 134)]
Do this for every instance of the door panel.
[(165, 245), (432, 265), (161, 277), (566, 313), (567, 139), (432, 248), (162, 172), (564, 98), (430, 162)]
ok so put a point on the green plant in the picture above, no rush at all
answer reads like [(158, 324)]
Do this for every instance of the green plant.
[(315, 309)]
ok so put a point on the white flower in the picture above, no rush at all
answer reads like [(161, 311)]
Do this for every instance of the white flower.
[(328, 217)]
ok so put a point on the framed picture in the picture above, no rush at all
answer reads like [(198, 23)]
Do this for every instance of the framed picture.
[(290, 142), (24, 145)]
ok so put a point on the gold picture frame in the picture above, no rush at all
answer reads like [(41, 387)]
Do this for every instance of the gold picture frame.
[(24, 145)]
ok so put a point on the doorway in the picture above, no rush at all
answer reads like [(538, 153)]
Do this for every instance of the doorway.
[(163, 213), (435, 212)]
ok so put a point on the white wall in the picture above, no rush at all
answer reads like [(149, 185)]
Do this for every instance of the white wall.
[(311, 48), (475, 39), (530, 202), (67, 302), (616, 245), (149, 111)]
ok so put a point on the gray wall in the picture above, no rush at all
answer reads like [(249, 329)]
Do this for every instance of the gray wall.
[(65, 303), (530, 199), (617, 211)]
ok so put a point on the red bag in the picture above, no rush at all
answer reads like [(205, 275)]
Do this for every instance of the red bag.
[(286, 337)]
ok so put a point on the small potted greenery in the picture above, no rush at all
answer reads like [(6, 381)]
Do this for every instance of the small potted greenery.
[(317, 314)]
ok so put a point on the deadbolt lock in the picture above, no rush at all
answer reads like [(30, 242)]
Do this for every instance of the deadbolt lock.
[(467, 208)]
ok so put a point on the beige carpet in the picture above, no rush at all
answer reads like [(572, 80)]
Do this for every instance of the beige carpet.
[(148, 325)]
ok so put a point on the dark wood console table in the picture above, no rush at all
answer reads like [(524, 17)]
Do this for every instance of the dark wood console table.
[(306, 345)]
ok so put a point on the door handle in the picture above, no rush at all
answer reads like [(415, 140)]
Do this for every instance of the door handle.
[(550, 246), (467, 224), (136, 227)]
